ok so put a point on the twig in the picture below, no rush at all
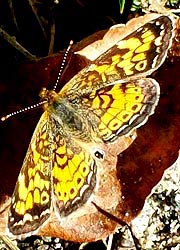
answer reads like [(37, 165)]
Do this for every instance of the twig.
[(13, 14), (16, 45), (37, 18), (9, 243), (120, 222), (51, 45)]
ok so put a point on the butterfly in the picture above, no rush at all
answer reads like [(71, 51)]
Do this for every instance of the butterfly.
[(105, 101)]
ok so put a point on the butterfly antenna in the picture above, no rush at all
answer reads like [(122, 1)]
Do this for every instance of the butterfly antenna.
[(62, 64), (45, 101), (23, 110)]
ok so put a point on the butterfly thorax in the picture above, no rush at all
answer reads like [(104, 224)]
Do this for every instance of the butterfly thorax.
[(64, 113)]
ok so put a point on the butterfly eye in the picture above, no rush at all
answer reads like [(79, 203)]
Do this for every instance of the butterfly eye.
[(99, 154)]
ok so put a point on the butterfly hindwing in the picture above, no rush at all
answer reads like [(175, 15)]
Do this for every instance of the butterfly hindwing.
[(74, 175), (116, 109)]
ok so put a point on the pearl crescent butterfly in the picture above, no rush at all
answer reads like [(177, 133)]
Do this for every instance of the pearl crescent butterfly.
[(106, 100)]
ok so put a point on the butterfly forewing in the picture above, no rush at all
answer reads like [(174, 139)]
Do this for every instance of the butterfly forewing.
[(137, 55), (31, 200)]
